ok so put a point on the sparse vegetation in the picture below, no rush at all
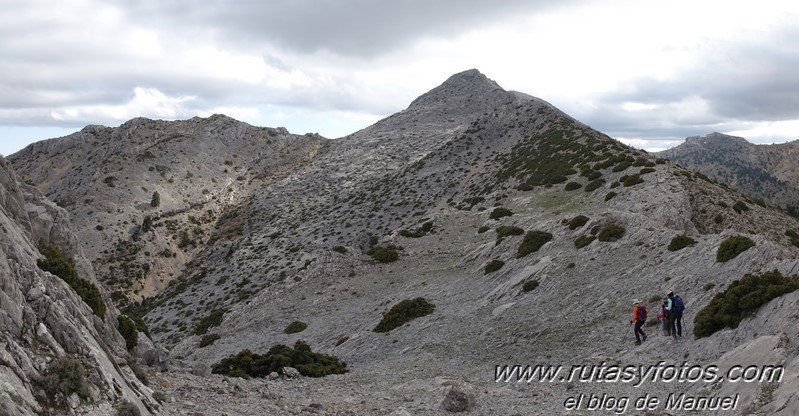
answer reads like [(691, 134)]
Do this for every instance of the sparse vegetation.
[(533, 241), (246, 364), (732, 246), (493, 266), (128, 330), (66, 375), (340, 249), (295, 327), (404, 312), (208, 339), (213, 319), (584, 240), (741, 299), (386, 254), (681, 241), (577, 222), (419, 232), (500, 212), (611, 232), (529, 285), (59, 264)]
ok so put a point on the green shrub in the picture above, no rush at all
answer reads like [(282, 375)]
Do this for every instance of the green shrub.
[(740, 207), (508, 230), (155, 201), (708, 286), (577, 222), (483, 229), (533, 241), (128, 330), (611, 232), (295, 327), (500, 212), (529, 285), (731, 247), (59, 264), (208, 339), (718, 219), (610, 196), (340, 249), (128, 409), (594, 185), (403, 312), (741, 299), (419, 232), (213, 319), (493, 266), (632, 180), (342, 340), (66, 375), (570, 186), (681, 241), (245, 364), (644, 171), (584, 240), (386, 254)]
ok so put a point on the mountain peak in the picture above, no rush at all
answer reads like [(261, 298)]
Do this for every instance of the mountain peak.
[(463, 85), (715, 138)]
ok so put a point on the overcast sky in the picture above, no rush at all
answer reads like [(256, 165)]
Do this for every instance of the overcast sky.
[(649, 73)]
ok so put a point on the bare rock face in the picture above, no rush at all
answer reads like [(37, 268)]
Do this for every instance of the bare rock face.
[(43, 318), (459, 398)]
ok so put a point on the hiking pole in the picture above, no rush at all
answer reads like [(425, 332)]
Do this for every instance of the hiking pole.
[(628, 330)]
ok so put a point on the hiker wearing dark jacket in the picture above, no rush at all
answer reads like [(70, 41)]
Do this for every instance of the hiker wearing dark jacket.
[(675, 316), (639, 319)]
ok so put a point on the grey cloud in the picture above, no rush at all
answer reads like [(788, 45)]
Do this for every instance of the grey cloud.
[(359, 28)]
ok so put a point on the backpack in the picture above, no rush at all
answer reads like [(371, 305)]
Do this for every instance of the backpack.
[(642, 313), (678, 305)]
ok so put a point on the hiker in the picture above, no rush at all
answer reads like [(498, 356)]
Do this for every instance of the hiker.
[(639, 318), (669, 329), (675, 316), (663, 317)]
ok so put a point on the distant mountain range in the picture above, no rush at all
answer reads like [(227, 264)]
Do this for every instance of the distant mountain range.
[(526, 234), (766, 172)]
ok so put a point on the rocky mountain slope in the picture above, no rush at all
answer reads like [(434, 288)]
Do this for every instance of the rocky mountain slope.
[(58, 356), (765, 172), (530, 233)]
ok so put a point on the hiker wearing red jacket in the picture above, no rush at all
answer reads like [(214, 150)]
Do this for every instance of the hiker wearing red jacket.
[(639, 319)]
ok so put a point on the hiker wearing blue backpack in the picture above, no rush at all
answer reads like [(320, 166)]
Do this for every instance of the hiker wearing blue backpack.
[(675, 306)]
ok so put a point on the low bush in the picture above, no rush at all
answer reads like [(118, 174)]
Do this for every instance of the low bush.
[(418, 232), (208, 339), (493, 266), (59, 264), (529, 285), (295, 327), (246, 364), (611, 232), (740, 207), (680, 242), (386, 254), (508, 230), (577, 222), (128, 409), (213, 319), (533, 241), (342, 340), (594, 185), (584, 240), (483, 229), (66, 375), (632, 180), (128, 330), (570, 186), (340, 249), (732, 246), (610, 195), (500, 212), (718, 219), (404, 312), (741, 299)]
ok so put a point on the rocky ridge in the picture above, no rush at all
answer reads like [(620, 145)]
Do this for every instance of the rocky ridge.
[(764, 172), (43, 320), (293, 248)]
